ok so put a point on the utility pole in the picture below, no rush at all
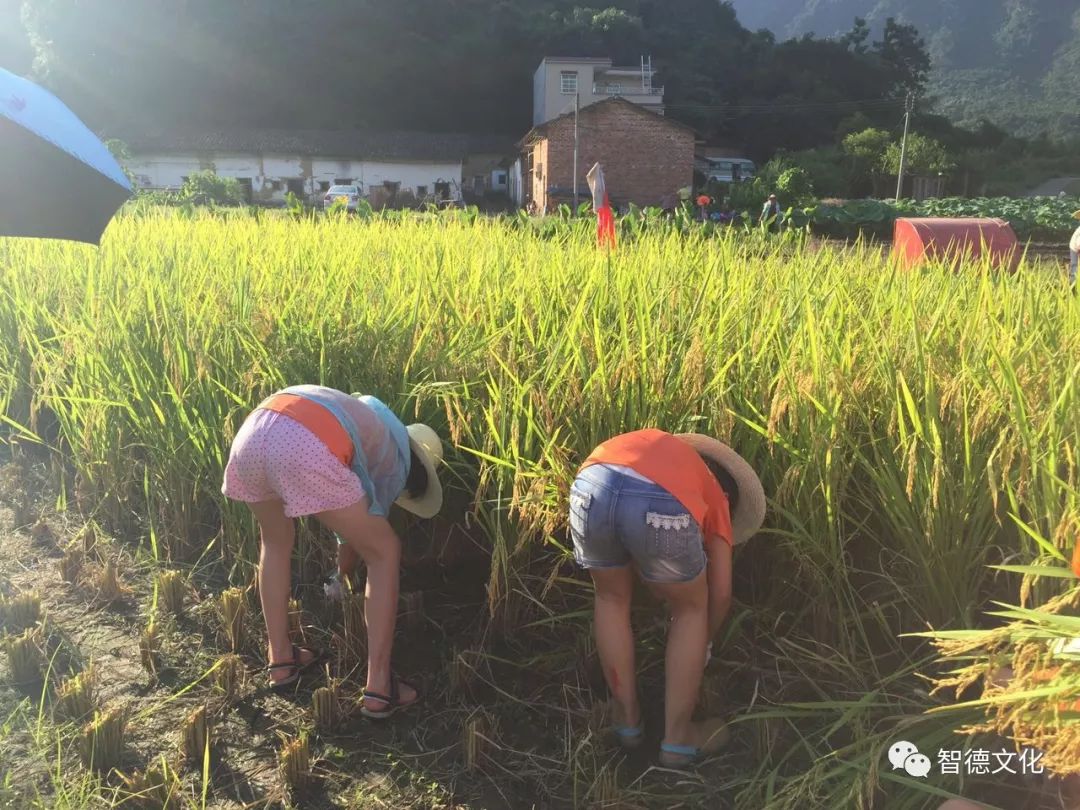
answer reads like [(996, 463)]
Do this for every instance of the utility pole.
[(577, 107), (909, 106)]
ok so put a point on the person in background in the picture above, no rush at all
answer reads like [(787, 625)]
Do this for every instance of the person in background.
[(312, 450), (771, 213), (1074, 253), (671, 507)]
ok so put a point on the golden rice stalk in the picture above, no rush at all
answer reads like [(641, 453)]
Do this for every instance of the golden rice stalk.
[(88, 538), (605, 793), (26, 659), (475, 739), (150, 648), (107, 583), (296, 625), (196, 735), (352, 646), (230, 676), (101, 743), (75, 699), (294, 762), (21, 611), (170, 588), (232, 607), (461, 670), (326, 708), (156, 788), (71, 565)]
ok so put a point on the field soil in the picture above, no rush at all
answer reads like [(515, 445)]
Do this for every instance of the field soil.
[(516, 721)]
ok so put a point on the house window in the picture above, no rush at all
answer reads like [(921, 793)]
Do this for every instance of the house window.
[(392, 186), (568, 82), (245, 187), (500, 178), (296, 185), (478, 183), (421, 191), (324, 185), (275, 185), (343, 181)]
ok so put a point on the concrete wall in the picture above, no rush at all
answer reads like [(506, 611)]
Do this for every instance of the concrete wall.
[(548, 99), (269, 174), (646, 159)]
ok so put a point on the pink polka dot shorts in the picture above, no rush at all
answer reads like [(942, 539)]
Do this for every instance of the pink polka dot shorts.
[(274, 457)]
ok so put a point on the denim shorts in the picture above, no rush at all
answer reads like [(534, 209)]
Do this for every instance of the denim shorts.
[(616, 518)]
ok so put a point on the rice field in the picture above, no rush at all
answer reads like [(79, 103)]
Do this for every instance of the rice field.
[(914, 432)]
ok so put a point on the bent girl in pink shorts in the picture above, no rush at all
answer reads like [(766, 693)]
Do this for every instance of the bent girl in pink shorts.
[(311, 450)]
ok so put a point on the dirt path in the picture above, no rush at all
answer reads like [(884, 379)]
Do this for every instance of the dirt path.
[(1054, 187)]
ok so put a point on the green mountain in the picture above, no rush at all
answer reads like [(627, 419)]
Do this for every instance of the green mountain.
[(1014, 62)]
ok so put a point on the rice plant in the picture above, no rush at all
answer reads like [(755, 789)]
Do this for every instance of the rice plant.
[(911, 429), (26, 658), (294, 762), (20, 612), (156, 788), (150, 648), (171, 587), (232, 609), (101, 743), (230, 676), (71, 565), (326, 708), (75, 698), (106, 583), (195, 735)]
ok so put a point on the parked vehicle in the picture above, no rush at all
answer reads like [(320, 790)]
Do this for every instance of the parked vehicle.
[(349, 194), (729, 170)]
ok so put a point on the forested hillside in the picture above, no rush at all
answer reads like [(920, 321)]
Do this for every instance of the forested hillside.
[(1015, 62), (441, 65)]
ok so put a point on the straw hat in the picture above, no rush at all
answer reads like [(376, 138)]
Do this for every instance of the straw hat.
[(749, 513), (428, 447), (1076, 214)]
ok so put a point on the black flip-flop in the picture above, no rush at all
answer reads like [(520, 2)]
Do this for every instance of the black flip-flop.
[(317, 656), (392, 701)]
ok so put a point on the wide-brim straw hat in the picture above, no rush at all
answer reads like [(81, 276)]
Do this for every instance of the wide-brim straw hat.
[(427, 445), (1076, 214), (749, 514)]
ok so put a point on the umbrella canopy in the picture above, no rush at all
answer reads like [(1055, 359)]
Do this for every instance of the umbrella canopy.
[(57, 180)]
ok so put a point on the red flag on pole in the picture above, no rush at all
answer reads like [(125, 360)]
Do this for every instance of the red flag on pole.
[(605, 220)]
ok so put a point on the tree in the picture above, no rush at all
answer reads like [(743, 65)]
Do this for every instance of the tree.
[(867, 150), (923, 156), (905, 55)]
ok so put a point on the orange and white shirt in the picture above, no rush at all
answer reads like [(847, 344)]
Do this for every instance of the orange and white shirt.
[(674, 465)]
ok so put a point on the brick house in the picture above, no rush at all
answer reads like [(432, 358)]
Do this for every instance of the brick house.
[(647, 158)]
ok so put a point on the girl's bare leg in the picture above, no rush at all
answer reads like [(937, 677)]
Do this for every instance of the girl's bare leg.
[(277, 535), (615, 639), (375, 541)]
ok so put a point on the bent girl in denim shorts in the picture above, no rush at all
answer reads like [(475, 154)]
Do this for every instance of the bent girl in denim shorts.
[(671, 507)]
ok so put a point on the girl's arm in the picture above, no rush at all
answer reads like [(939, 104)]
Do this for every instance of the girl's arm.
[(718, 577)]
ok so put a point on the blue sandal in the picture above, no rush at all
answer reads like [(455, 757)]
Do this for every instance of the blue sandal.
[(630, 736), (679, 756)]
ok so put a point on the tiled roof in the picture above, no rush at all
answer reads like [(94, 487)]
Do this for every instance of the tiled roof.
[(356, 144), (541, 129)]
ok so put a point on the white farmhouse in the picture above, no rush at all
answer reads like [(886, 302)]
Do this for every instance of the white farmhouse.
[(270, 163)]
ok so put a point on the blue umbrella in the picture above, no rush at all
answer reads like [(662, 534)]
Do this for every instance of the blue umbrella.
[(57, 180)]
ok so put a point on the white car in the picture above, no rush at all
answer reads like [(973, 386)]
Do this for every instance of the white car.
[(349, 194)]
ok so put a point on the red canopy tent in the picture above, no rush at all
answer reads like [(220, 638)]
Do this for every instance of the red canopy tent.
[(919, 240)]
